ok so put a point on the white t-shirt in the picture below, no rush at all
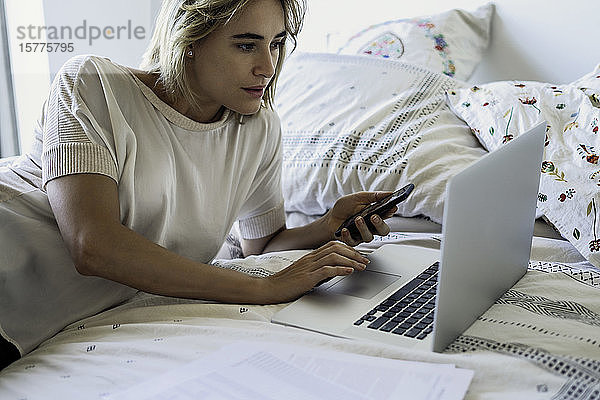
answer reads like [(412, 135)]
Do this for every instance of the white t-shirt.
[(182, 184)]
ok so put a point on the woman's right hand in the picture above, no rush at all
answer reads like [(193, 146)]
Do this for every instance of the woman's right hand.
[(330, 260)]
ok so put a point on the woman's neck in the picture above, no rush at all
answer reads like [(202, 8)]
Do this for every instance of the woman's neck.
[(179, 105)]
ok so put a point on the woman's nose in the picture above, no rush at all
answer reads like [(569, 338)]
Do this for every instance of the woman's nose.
[(265, 66)]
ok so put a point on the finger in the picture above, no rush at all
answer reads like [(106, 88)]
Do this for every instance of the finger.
[(339, 260), (348, 239), (390, 213), (327, 272), (334, 245), (341, 249), (363, 229), (380, 226)]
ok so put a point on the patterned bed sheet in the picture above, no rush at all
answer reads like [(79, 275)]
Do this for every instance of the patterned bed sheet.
[(541, 340)]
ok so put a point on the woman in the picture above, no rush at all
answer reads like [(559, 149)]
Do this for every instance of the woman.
[(137, 176)]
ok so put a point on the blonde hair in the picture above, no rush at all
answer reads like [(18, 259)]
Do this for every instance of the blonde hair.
[(182, 23)]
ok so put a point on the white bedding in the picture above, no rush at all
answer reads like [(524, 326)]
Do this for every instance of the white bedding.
[(417, 225), (540, 341)]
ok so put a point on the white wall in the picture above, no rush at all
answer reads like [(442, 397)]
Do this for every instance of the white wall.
[(34, 70), (124, 28), (31, 72)]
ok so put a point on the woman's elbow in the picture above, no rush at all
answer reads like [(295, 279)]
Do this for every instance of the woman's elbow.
[(86, 255)]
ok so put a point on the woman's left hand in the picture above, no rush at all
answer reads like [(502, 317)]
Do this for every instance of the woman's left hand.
[(351, 204)]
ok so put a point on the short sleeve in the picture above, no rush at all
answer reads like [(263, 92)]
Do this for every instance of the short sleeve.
[(71, 144), (263, 213)]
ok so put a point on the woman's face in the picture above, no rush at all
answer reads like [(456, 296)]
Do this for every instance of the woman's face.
[(232, 66)]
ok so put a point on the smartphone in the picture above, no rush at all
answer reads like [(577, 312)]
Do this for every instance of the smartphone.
[(379, 207)]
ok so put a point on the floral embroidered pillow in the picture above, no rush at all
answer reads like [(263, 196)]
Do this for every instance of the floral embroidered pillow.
[(590, 85), (451, 42), (569, 195)]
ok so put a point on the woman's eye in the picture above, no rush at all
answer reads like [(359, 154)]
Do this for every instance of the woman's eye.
[(246, 46), (277, 45)]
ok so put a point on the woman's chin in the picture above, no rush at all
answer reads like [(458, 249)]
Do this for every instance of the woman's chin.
[(247, 109)]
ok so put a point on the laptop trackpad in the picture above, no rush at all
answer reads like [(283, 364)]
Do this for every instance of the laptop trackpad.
[(365, 284)]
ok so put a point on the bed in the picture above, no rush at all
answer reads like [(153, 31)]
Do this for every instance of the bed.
[(401, 100)]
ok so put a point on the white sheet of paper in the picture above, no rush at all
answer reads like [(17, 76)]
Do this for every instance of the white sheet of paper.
[(249, 370)]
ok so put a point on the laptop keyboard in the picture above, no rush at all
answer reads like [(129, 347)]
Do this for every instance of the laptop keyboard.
[(409, 311)]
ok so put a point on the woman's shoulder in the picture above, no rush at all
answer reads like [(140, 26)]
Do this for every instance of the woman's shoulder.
[(86, 63), (88, 67), (87, 74)]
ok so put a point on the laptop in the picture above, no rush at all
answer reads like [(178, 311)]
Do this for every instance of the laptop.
[(425, 298)]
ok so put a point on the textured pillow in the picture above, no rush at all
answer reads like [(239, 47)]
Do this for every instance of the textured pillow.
[(353, 123), (569, 193), (451, 42)]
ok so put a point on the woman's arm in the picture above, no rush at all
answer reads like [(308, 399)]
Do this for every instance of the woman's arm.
[(86, 207)]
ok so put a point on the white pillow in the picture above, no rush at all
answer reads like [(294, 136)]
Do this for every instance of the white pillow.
[(353, 123), (569, 194), (451, 42)]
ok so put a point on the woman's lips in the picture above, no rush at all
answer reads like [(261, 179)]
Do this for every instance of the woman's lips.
[(256, 91)]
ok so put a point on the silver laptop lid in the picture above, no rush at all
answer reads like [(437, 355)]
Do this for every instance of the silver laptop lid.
[(487, 231)]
